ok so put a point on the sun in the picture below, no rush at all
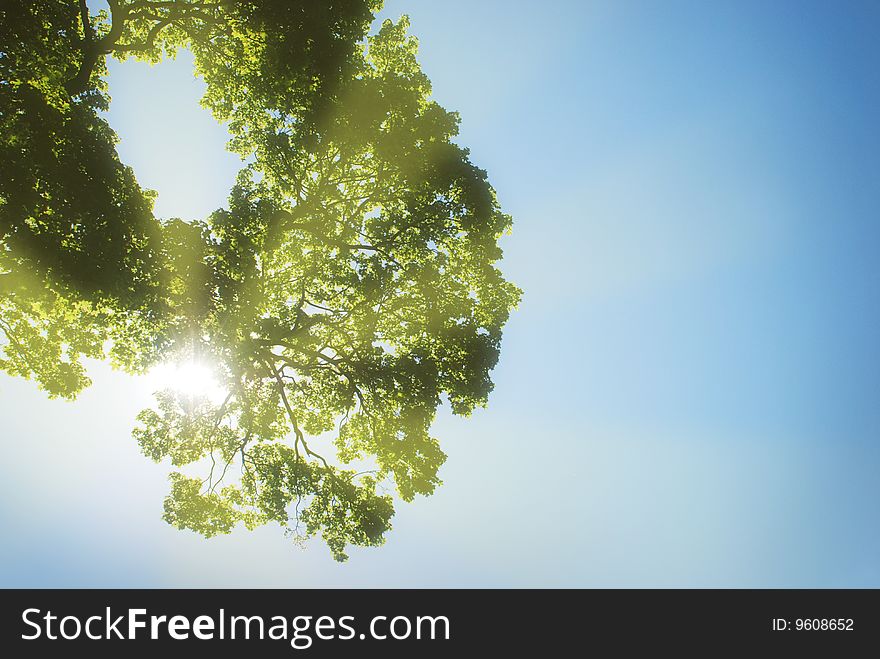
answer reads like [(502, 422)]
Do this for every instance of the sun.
[(189, 378)]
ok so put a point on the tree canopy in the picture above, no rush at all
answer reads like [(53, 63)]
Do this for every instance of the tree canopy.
[(348, 289)]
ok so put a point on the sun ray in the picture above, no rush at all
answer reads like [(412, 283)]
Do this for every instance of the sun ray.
[(187, 377)]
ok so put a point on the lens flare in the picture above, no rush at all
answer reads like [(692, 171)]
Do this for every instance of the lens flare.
[(189, 378)]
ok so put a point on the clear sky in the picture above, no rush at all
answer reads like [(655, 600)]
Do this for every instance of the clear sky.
[(689, 394)]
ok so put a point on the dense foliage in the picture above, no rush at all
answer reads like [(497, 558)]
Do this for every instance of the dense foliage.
[(347, 289)]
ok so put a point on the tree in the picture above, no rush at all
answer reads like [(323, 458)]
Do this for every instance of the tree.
[(349, 287)]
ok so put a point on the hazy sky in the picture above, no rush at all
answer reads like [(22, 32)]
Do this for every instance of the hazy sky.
[(689, 394)]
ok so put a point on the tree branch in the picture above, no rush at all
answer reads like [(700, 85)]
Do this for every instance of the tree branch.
[(300, 438), (95, 50)]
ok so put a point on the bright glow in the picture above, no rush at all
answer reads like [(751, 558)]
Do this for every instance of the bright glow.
[(189, 378)]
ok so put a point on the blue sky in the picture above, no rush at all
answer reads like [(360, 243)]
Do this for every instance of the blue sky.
[(689, 394)]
